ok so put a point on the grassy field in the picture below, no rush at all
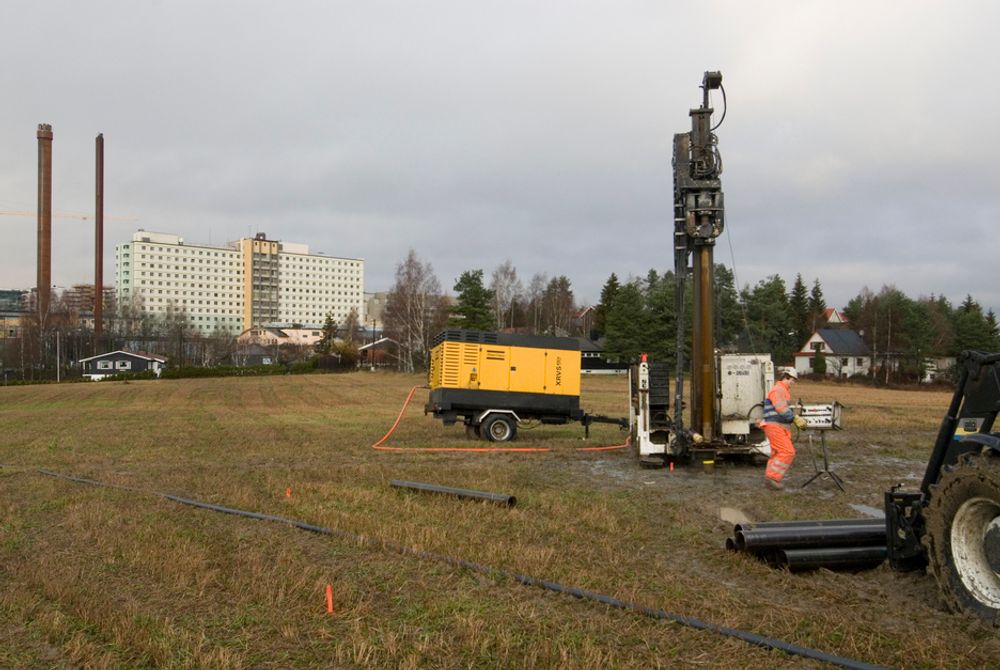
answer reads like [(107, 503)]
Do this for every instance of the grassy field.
[(112, 578)]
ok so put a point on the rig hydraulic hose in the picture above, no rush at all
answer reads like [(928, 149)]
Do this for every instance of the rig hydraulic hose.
[(378, 446), (582, 594)]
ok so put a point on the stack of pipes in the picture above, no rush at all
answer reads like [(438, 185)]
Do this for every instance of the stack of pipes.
[(836, 544)]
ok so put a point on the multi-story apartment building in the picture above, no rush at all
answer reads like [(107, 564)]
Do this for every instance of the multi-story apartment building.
[(242, 285)]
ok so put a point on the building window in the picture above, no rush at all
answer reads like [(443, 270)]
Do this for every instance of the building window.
[(124, 365), (104, 365)]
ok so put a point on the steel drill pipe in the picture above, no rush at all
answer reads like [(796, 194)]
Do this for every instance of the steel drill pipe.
[(497, 498), (806, 536), (832, 558)]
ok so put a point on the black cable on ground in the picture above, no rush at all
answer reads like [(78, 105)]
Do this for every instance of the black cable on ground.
[(582, 594)]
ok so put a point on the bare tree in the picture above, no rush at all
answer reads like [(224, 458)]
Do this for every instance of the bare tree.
[(536, 300), (559, 306), (506, 288), (351, 325), (415, 310)]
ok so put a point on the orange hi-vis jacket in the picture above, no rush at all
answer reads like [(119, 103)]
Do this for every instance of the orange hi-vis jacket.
[(777, 407)]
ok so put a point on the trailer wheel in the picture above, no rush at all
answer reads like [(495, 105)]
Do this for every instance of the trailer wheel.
[(963, 537), (499, 428)]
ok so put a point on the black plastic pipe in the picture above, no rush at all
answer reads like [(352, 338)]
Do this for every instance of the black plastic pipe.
[(810, 536), (750, 525), (750, 638), (832, 558), (498, 498)]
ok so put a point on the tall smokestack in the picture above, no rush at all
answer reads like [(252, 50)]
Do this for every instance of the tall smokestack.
[(44, 220), (99, 247)]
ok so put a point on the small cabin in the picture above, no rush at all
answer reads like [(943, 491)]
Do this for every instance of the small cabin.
[(121, 362)]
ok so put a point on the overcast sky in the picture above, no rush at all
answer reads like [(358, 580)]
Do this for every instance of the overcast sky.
[(860, 145)]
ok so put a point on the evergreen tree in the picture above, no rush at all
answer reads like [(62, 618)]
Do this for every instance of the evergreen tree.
[(798, 303), (817, 305), (325, 344), (652, 280), (973, 329), (770, 325), (994, 331), (608, 295), (658, 320), (626, 324), (819, 363), (473, 310), (728, 311)]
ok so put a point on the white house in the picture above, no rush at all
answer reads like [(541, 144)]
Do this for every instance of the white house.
[(304, 335), (845, 352), (935, 368)]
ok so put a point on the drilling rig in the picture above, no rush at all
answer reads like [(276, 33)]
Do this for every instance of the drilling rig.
[(727, 390)]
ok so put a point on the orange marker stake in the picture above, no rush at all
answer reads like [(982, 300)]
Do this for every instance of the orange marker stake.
[(329, 599), (288, 492), (671, 466)]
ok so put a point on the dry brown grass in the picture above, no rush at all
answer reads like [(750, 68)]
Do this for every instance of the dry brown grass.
[(107, 578)]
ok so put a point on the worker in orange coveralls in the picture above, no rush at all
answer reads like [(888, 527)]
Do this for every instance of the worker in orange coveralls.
[(777, 425)]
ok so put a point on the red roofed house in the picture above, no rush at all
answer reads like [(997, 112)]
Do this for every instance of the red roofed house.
[(845, 352)]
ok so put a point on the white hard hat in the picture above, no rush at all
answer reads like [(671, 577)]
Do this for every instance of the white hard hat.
[(791, 372)]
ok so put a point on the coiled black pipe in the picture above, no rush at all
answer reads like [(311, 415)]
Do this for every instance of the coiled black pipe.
[(583, 594), (498, 498)]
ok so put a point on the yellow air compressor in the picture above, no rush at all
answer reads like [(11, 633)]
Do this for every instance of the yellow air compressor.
[(494, 380)]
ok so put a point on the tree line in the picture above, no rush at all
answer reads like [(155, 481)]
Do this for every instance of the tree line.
[(417, 308), (639, 315), (50, 349)]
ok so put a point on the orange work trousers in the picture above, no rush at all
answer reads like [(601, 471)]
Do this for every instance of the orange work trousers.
[(782, 450)]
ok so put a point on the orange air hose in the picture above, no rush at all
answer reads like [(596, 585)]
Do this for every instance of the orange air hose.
[(378, 445)]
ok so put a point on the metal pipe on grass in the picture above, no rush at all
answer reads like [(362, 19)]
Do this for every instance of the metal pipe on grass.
[(497, 498)]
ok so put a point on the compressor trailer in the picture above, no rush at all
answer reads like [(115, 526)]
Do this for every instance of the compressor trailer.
[(493, 381)]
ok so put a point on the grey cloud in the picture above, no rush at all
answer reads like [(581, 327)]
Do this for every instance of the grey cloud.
[(858, 141)]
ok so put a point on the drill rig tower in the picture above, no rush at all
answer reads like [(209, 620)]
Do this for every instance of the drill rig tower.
[(699, 217), (727, 391)]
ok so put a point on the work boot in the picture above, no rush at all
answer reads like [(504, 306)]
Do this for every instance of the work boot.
[(774, 484)]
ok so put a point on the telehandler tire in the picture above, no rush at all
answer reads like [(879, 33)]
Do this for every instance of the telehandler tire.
[(963, 536)]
